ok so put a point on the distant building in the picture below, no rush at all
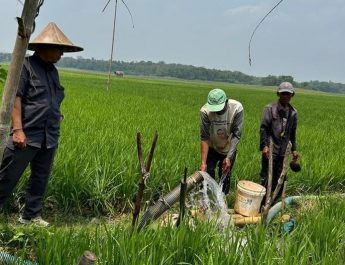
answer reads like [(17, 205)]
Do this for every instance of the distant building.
[(119, 73)]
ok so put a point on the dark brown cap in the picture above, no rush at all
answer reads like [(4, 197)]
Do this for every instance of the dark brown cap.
[(52, 35)]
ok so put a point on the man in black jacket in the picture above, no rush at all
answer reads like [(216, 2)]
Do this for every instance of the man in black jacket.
[(35, 122), (279, 123)]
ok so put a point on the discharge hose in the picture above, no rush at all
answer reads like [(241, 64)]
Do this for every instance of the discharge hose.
[(6, 258), (168, 200)]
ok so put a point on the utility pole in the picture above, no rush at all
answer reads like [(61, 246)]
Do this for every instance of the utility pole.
[(25, 28)]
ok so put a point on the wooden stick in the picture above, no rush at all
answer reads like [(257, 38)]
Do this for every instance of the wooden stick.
[(279, 184), (283, 173), (152, 150), (15, 68), (270, 170), (88, 258), (283, 197), (141, 186), (183, 194), (265, 208)]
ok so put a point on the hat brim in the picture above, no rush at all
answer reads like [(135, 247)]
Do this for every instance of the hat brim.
[(215, 108), (286, 90), (64, 47)]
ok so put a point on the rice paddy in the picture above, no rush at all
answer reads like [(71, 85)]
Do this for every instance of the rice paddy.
[(96, 174)]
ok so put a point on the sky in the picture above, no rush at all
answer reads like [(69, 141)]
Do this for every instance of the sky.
[(304, 39)]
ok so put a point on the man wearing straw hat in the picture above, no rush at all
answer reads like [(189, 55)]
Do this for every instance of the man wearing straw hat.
[(220, 128), (35, 122)]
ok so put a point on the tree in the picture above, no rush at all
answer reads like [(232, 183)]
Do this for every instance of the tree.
[(3, 74), (25, 26)]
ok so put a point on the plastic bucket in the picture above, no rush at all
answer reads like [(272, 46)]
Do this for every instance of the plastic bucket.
[(249, 197)]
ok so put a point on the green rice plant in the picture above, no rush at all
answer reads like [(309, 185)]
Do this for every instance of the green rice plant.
[(96, 166)]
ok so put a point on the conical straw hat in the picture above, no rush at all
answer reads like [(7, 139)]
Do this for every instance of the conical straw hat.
[(52, 35)]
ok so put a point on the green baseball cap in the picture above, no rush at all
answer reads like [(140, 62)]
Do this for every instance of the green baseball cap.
[(216, 100)]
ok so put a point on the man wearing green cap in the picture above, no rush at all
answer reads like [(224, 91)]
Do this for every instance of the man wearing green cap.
[(221, 122)]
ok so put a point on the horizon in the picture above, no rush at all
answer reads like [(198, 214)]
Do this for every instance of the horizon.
[(303, 40)]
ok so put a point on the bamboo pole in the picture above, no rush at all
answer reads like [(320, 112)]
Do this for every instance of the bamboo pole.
[(25, 26), (88, 258)]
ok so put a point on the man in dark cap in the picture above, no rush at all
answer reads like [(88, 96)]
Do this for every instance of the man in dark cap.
[(279, 123), (220, 131), (35, 122)]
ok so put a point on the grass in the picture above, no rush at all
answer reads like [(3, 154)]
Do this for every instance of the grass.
[(317, 239), (96, 174)]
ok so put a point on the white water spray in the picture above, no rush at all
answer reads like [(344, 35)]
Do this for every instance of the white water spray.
[(209, 199)]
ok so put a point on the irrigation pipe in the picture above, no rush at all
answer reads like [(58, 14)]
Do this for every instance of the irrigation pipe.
[(6, 258), (168, 200), (289, 200)]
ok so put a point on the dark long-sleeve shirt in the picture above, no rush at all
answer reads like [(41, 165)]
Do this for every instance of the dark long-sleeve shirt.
[(41, 95), (279, 124)]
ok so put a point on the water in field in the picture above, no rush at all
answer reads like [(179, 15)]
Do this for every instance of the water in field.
[(208, 201)]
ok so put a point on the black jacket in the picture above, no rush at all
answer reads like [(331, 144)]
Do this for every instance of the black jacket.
[(282, 131)]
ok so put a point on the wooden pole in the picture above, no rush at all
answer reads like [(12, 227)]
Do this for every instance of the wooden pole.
[(25, 26), (270, 172), (283, 197), (112, 46), (152, 150), (143, 173), (88, 258), (183, 194), (279, 184)]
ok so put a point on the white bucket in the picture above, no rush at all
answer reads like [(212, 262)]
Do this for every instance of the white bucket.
[(248, 198)]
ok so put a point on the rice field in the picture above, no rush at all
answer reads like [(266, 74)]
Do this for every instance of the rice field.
[(96, 174)]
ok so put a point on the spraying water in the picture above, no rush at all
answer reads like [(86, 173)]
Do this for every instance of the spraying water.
[(209, 199)]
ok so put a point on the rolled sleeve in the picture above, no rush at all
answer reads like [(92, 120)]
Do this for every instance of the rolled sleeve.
[(236, 133), (204, 126)]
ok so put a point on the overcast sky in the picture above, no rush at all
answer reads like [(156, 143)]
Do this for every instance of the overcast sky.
[(304, 39)]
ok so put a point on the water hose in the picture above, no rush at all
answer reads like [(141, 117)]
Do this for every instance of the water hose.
[(278, 206), (168, 200), (289, 200), (6, 258)]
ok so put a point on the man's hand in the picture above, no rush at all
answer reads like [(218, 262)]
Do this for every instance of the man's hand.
[(226, 165), (203, 167), (19, 138), (266, 152), (295, 156)]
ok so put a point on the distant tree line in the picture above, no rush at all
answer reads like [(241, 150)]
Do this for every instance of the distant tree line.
[(188, 72)]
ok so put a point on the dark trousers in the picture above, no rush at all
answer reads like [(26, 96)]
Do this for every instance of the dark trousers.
[(214, 159), (13, 165), (277, 168)]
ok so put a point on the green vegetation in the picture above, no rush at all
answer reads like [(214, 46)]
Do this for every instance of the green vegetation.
[(96, 174), (317, 239), (3, 74)]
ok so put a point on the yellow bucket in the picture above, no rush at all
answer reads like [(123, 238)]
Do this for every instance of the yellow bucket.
[(249, 197)]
